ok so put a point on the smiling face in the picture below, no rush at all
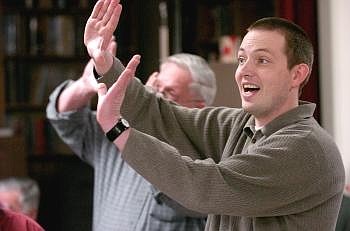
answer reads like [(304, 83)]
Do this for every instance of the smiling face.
[(267, 87)]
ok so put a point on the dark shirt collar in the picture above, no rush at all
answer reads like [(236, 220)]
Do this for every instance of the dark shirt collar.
[(303, 111)]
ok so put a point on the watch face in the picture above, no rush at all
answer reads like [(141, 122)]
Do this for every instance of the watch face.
[(125, 123)]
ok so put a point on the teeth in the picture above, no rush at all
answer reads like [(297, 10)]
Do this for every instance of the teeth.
[(250, 86)]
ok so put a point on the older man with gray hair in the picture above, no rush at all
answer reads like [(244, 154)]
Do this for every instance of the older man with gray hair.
[(20, 194), (124, 200)]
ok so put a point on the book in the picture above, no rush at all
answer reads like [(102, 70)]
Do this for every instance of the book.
[(10, 34), (61, 36)]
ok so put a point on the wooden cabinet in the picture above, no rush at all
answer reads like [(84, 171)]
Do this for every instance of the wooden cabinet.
[(12, 156)]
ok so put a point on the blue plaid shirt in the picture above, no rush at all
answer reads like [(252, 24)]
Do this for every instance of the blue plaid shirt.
[(123, 200)]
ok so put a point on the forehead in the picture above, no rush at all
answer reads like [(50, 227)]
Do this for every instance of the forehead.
[(172, 73), (9, 196), (271, 41)]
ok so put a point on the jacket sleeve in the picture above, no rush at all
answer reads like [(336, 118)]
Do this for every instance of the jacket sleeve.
[(257, 183), (78, 129), (168, 121), (161, 197)]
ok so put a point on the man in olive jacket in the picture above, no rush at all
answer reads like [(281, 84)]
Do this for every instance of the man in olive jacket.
[(267, 166)]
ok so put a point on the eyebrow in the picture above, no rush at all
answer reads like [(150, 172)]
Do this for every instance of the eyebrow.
[(257, 50)]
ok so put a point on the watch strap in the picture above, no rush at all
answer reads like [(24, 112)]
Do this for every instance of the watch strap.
[(96, 75), (117, 129)]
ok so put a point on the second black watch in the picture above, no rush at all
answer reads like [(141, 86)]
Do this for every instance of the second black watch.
[(118, 129)]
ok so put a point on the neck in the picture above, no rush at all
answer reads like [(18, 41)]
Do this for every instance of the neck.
[(264, 119)]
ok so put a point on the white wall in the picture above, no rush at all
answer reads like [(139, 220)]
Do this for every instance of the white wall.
[(334, 56)]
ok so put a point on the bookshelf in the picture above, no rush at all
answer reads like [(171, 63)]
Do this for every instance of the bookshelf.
[(41, 46), (205, 22)]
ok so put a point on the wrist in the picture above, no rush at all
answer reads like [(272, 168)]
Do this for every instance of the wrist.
[(120, 127), (103, 62), (121, 141)]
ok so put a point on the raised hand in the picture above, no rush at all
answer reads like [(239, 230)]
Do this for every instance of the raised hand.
[(99, 30), (109, 102), (88, 77)]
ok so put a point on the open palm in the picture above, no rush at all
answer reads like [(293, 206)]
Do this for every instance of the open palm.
[(110, 102), (100, 27)]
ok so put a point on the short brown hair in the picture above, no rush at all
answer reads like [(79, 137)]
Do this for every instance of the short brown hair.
[(298, 49)]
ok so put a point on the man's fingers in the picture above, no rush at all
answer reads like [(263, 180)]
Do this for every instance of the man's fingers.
[(133, 63), (103, 9), (109, 12), (129, 71), (108, 29), (125, 77), (96, 10), (114, 19)]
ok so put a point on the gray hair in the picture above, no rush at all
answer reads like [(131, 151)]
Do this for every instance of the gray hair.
[(28, 189), (204, 81)]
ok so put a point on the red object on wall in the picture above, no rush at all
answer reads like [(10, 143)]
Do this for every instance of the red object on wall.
[(304, 13)]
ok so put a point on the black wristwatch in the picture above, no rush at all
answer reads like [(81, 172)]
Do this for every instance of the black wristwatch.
[(96, 75), (118, 129)]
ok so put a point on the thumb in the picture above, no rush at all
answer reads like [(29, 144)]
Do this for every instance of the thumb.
[(101, 90)]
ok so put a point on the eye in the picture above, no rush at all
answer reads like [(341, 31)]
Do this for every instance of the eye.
[(263, 61), (170, 94), (241, 60)]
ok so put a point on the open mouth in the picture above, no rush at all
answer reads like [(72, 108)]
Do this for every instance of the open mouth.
[(250, 88)]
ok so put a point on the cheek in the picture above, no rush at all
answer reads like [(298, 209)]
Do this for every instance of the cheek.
[(237, 79), (279, 84)]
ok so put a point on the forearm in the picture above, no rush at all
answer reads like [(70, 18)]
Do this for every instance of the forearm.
[(229, 183), (74, 96), (177, 206), (155, 116), (77, 127), (170, 170), (120, 142)]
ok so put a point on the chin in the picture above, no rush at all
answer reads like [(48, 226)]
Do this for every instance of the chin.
[(251, 109)]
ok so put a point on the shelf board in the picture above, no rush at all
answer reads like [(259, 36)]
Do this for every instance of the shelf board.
[(46, 58), (25, 108), (53, 158), (52, 11)]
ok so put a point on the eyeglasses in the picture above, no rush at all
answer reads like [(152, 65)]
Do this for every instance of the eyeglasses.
[(177, 99)]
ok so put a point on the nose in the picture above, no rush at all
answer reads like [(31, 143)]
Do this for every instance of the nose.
[(245, 69)]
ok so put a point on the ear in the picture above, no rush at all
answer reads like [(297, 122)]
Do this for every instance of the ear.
[(299, 74)]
